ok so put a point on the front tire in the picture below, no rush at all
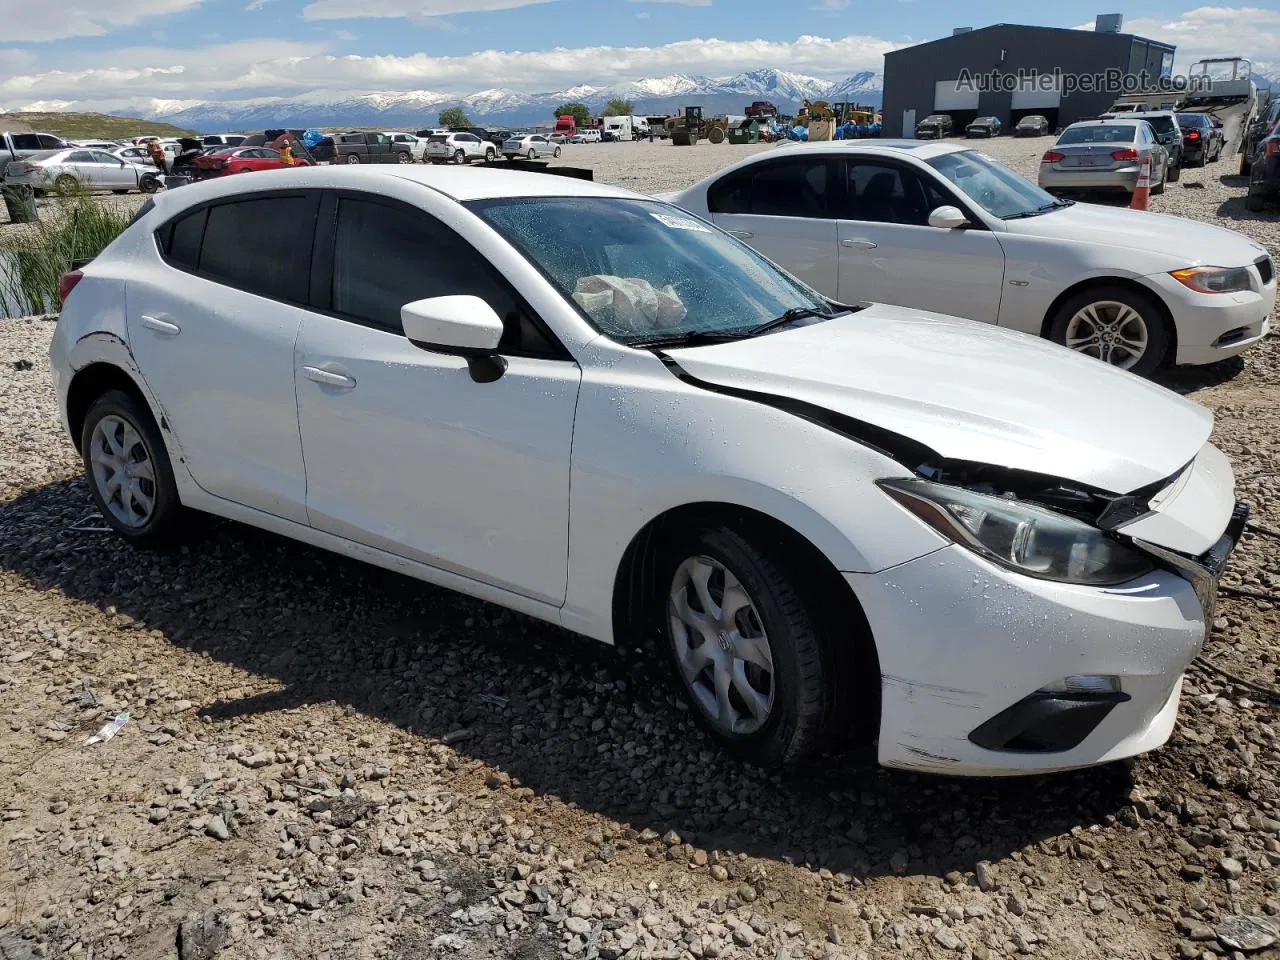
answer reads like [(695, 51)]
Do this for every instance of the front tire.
[(128, 470), (1255, 202), (746, 647), (1113, 324)]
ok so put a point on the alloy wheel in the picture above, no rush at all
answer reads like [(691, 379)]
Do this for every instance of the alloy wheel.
[(123, 471), (1109, 331), (722, 650)]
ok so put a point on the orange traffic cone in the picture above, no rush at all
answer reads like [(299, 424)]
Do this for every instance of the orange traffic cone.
[(1142, 192)]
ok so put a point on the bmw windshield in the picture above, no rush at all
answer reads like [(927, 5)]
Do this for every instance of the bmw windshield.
[(645, 273), (993, 186)]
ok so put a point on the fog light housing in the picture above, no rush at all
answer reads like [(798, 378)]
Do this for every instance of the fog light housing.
[(1087, 684), (1055, 718)]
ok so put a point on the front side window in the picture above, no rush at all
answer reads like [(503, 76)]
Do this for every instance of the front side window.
[(795, 187), (49, 142), (640, 270), (385, 256), (881, 192)]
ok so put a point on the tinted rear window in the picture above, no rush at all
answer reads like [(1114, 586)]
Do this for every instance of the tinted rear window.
[(1109, 133), (1189, 120), (254, 245)]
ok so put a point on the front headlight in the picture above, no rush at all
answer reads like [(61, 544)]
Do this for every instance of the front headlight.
[(1024, 538), (1214, 279)]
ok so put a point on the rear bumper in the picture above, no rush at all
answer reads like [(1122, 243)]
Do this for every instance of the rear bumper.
[(1053, 178)]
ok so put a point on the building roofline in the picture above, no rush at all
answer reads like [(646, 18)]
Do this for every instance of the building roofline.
[(1030, 26)]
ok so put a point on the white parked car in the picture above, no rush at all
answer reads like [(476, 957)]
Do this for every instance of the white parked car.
[(997, 555), (939, 226), (458, 148), (77, 169), (417, 145), (530, 146)]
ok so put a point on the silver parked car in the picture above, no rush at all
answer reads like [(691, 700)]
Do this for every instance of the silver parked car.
[(1103, 155), (530, 146), (68, 170), (459, 147)]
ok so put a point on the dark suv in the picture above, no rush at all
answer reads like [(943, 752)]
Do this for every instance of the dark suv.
[(1168, 135), (1259, 130), (935, 127), (1264, 171)]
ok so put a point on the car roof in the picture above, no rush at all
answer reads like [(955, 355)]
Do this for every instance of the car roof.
[(1125, 121), (922, 149), (459, 183)]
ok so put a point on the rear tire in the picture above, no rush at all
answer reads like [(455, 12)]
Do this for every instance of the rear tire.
[(1255, 202), (459, 157), (1245, 165), (490, 155), (1173, 174), (557, 153), (66, 184), (759, 676), (1105, 302), (403, 157), (533, 154), (128, 470), (353, 158)]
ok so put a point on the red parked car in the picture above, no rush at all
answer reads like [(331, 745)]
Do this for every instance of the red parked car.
[(242, 160)]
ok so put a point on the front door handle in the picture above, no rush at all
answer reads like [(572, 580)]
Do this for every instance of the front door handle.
[(329, 378), (160, 325), (740, 234), (860, 244)]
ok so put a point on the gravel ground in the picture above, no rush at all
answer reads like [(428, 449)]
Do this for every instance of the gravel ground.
[(324, 760)]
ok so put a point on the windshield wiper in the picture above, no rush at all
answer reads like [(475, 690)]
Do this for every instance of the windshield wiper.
[(694, 338), (791, 316), (1056, 204)]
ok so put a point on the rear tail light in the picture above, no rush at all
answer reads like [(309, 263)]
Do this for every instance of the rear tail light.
[(1053, 156), (68, 283), (1273, 148), (1193, 135), (1126, 154)]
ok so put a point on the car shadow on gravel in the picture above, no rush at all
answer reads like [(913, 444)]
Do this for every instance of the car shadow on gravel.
[(1190, 379), (562, 715)]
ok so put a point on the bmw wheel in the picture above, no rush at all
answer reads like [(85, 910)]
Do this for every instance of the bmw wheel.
[(746, 647), (128, 469), (1113, 324)]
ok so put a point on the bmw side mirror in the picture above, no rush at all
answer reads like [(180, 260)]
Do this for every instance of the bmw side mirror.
[(948, 218), (464, 326)]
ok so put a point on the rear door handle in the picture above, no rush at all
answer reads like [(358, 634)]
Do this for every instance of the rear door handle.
[(740, 234), (861, 244), (160, 325), (329, 378)]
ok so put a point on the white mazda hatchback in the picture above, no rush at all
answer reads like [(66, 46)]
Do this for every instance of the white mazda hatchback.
[(601, 411)]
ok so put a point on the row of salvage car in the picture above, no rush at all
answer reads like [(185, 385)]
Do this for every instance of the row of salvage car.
[(743, 421)]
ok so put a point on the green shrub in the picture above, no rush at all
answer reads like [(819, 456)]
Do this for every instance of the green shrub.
[(75, 226)]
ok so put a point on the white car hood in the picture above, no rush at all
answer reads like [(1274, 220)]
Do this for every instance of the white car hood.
[(1185, 242), (971, 391)]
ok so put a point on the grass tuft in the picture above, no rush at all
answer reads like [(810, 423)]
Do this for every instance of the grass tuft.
[(75, 226)]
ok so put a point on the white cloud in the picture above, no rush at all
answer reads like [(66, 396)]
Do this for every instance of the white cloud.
[(682, 3), (280, 67), (411, 9), (39, 21), (1250, 32)]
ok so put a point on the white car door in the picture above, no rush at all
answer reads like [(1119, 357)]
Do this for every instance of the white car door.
[(889, 253), (212, 322), (404, 451), (782, 208), (81, 165)]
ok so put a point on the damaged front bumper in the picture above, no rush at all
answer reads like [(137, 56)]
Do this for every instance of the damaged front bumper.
[(1002, 674)]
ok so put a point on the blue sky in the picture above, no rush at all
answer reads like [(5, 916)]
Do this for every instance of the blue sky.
[(54, 52)]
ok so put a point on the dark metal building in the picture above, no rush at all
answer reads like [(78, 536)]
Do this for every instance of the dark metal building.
[(1007, 70)]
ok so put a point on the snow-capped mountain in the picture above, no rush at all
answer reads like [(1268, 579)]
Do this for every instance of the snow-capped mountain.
[(416, 109)]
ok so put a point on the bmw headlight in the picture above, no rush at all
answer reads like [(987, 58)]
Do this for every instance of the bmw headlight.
[(1026, 539), (1214, 279)]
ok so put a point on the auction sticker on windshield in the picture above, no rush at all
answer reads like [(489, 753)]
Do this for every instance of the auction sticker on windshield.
[(679, 223)]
